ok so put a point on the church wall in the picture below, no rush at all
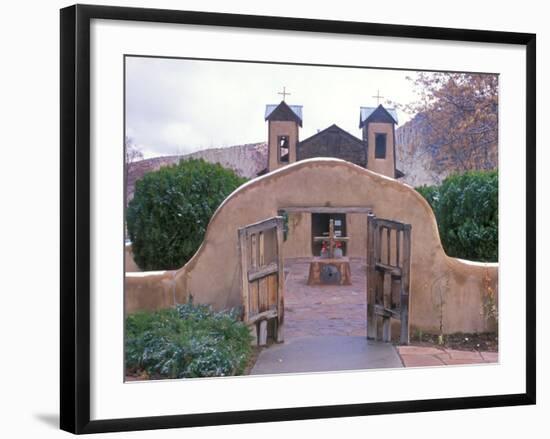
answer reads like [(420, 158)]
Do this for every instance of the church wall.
[(278, 128), (444, 291), (298, 243), (382, 166), (357, 231)]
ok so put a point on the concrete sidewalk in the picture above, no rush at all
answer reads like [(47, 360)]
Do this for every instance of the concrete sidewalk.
[(323, 354)]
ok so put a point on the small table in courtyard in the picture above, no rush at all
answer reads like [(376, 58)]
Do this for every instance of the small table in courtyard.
[(331, 270), (331, 267)]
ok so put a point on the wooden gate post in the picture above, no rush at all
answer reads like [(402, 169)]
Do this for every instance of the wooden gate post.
[(405, 285), (371, 277), (279, 323), (244, 273)]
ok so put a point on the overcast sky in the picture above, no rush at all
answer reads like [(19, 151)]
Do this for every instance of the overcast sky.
[(176, 106)]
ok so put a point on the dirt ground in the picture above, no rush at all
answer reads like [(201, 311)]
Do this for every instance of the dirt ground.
[(487, 342)]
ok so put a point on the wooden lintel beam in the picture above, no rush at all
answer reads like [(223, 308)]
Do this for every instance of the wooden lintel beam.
[(324, 209)]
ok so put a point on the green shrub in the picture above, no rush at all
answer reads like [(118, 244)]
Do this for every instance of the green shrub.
[(171, 208), (466, 208), (186, 341), (430, 193)]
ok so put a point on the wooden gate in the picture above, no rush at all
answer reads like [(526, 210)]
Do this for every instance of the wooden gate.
[(388, 277), (262, 278)]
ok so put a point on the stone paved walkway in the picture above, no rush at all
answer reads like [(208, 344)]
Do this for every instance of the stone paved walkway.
[(324, 310)]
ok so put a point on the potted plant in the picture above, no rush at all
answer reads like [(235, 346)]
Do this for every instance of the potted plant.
[(324, 250), (338, 251)]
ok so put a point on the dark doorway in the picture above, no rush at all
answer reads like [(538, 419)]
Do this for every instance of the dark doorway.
[(320, 225)]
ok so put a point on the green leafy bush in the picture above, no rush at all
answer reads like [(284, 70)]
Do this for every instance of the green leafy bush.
[(466, 208), (185, 342), (430, 193), (171, 208)]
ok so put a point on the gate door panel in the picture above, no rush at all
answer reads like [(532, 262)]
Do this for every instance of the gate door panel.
[(388, 277), (262, 278)]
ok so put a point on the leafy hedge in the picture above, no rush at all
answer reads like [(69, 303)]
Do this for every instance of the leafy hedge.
[(466, 208), (185, 342), (171, 208)]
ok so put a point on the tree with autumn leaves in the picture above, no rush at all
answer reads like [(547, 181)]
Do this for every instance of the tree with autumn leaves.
[(455, 131), (459, 112)]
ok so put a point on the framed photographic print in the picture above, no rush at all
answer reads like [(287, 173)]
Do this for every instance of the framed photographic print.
[(285, 218)]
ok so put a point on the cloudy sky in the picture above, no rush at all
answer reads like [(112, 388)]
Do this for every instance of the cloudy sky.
[(176, 106)]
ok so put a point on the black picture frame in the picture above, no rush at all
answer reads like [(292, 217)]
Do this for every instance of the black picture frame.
[(75, 217)]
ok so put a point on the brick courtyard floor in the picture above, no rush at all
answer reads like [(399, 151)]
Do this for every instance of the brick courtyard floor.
[(324, 310), (341, 310)]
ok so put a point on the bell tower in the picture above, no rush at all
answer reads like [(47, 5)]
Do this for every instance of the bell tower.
[(284, 122), (378, 125)]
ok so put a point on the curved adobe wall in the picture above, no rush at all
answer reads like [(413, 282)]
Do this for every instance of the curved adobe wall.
[(444, 291)]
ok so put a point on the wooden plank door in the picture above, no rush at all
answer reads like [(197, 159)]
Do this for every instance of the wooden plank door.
[(388, 277), (262, 278)]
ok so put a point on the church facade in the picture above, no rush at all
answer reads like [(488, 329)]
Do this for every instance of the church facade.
[(374, 151)]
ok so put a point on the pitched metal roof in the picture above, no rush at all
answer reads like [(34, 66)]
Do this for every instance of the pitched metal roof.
[(367, 111), (296, 109)]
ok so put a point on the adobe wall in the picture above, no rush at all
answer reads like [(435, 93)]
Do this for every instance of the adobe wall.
[(149, 290), (444, 291)]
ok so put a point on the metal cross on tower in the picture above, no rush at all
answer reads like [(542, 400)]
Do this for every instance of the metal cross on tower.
[(284, 93), (378, 97)]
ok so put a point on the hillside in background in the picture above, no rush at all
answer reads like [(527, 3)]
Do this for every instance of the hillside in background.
[(422, 161), (245, 160), (414, 157)]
